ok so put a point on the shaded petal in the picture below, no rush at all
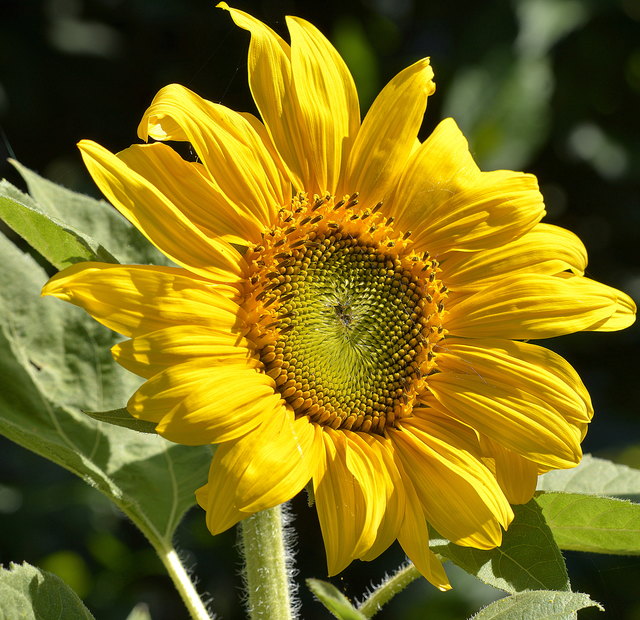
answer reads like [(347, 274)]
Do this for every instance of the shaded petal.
[(186, 186), (328, 113), (231, 150), (441, 457), (365, 462), (345, 505), (272, 463), (388, 133), (138, 299), (545, 249), (530, 369), (158, 219), (152, 353), (516, 475), (217, 497), (395, 500), (414, 538), (448, 204), (196, 403)]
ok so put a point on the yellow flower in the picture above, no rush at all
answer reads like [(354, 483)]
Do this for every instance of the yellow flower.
[(350, 306)]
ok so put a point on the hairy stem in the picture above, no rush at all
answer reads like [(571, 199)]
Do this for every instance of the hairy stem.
[(388, 589), (267, 571), (183, 583)]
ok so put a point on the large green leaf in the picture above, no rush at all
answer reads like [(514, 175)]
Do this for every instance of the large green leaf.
[(57, 242), (95, 219), (540, 605), (595, 477), (55, 362), (28, 593), (589, 523), (528, 558)]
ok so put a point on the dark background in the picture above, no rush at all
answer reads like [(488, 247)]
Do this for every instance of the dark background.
[(548, 86)]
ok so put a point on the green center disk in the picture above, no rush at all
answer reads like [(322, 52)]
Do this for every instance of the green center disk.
[(351, 318)]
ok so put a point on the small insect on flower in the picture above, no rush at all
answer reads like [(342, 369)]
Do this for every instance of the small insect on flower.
[(349, 308)]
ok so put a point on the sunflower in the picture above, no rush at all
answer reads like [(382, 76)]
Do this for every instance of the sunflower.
[(350, 306)]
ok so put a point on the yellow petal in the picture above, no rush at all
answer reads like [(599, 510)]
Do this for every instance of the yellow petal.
[(526, 306), (138, 299), (196, 403), (414, 539), (269, 66), (149, 210), (344, 507), (395, 500), (365, 462), (624, 315), (190, 191), (272, 463), (530, 369), (388, 133), (152, 353), (328, 113), (516, 475), (441, 458), (306, 97), (230, 149), (448, 204), (545, 249), (505, 412), (217, 497), (440, 167)]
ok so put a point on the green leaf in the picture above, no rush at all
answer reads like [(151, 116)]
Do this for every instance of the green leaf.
[(593, 476), (589, 523), (54, 363), (121, 417), (528, 558), (539, 605), (29, 593), (96, 219), (59, 244), (336, 602)]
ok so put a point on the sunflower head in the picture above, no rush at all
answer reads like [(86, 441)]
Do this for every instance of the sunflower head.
[(345, 313), (349, 308)]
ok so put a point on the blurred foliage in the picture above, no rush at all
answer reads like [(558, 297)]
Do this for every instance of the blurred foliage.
[(550, 86)]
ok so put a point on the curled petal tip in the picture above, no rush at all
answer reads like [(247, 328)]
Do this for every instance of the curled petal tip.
[(51, 289)]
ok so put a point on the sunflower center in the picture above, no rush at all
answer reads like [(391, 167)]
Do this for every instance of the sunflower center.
[(351, 329)]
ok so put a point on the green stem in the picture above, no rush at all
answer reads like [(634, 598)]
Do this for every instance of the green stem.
[(387, 590), (183, 583), (267, 572)]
